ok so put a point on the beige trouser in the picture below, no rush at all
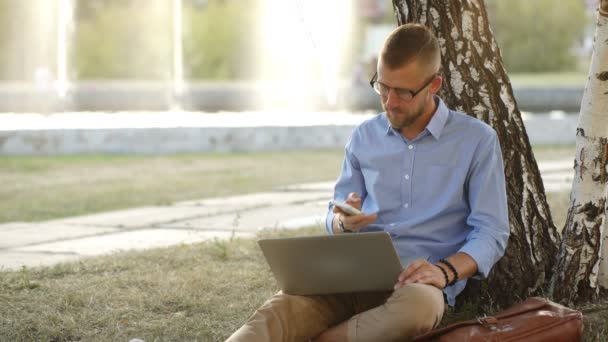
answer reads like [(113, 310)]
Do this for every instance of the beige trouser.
[(375, 316)]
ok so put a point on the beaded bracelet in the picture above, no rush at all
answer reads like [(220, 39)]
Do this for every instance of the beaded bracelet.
[(445, 274), (452, 268)]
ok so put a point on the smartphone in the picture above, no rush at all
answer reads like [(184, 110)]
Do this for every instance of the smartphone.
[(347, 208)]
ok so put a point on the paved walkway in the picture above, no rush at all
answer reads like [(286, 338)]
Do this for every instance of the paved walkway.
[(50, 242)]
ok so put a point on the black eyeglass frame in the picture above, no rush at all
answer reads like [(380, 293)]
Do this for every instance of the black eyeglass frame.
[(400, 91)]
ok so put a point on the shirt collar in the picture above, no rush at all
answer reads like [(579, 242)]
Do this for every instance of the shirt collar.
[(435, 126), (439, 119)]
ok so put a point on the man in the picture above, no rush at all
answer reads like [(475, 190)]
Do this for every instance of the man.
[(430, 177)]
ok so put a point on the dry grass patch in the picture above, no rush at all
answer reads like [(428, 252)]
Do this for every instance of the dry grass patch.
[(199, 292), (186, 293)]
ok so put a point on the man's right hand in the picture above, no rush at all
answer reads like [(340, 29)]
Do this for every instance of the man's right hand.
[(354, 222)]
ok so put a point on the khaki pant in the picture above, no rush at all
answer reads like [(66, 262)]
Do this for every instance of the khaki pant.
[(376, 316)]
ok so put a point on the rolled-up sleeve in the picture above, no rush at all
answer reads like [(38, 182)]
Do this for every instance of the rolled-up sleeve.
[(350, 180), (488, 216)]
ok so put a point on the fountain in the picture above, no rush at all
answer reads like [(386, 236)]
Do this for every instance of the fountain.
[(178, 60), (304, 45), (65, 26)]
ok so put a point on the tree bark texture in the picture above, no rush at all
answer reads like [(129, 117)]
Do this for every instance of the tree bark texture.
[(476, 83), (581, 269)]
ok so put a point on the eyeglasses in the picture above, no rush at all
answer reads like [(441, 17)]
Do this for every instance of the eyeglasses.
[(404, 94)]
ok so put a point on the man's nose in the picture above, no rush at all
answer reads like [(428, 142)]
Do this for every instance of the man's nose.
[(392, 99)]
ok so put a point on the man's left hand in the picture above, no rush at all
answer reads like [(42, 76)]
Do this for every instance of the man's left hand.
[(422, 272)]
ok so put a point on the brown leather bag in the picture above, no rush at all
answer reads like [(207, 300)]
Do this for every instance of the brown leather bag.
[(535, 319)]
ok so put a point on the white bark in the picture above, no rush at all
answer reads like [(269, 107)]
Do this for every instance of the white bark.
[(580, 268), (593, 186)]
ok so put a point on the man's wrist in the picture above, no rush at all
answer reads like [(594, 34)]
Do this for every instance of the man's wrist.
[(445, 275), (452, 270), (335, 224), (341, 225)]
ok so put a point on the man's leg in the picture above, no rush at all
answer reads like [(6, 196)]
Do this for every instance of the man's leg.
[(362, 302), (409, 311), (295, 318)]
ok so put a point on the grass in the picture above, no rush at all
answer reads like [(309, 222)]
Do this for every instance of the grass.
[(566, 78), (42, 188), (196, 292), (199, 292), (554, 152), (559, 202)]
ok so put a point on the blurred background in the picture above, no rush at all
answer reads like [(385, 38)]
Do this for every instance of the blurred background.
[(113, 104), (235, 55), (134, 124)]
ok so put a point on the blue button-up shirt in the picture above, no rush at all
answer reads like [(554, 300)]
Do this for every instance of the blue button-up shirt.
[(438, 194)]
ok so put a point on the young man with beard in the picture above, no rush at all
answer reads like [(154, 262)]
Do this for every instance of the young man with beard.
[(433, 179)]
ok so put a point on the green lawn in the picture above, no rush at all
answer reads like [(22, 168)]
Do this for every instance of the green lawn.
[(42, 188), (566, 78)]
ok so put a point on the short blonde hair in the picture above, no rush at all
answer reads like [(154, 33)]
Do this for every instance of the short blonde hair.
[(408, 43)]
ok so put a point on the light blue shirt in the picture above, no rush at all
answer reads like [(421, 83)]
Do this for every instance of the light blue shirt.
[(438, 194)]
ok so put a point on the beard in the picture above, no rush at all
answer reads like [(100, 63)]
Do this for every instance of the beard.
[(400, 119)]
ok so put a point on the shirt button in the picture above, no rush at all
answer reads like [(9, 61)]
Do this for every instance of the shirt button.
[(410, 147), (407, 176), (406, 205)]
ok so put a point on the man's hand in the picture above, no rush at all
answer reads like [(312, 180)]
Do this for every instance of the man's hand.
[(354, 222), (423, 272)]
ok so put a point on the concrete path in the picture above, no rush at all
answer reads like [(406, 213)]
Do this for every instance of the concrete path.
[(50, 242)]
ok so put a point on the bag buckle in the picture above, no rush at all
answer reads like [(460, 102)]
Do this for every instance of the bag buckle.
[(488, 322)]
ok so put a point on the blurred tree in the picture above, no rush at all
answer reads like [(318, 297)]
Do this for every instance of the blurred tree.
[(537, 35), (6, 31), (220, 38), (133, 39), (123, 40), (27, 39)]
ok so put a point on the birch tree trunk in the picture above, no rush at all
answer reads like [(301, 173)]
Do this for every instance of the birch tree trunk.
[(581, 268), (476, 83)]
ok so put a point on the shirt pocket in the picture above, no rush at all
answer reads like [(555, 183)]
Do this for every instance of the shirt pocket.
[(443, 185)]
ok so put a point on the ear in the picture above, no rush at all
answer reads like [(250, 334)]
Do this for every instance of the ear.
[(436, 84)]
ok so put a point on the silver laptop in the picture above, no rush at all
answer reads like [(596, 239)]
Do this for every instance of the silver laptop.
[(327, 264)]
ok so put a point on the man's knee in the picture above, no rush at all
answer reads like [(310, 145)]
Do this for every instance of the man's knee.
[(284, 307), (414, 309)]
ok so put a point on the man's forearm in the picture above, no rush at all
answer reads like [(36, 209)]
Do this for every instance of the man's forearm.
[(464, 264)]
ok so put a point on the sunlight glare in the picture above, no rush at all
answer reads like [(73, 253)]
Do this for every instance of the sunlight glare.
[(303, 43)]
